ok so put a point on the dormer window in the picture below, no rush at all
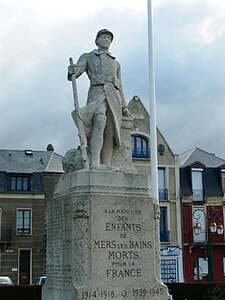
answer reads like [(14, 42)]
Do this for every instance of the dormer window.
[(197, 184), (19, 183)]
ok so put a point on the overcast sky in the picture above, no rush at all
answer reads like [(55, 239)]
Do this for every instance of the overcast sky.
[(38, 37)]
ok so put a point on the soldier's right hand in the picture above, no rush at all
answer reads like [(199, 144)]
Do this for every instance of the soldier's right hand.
[(72, 69)]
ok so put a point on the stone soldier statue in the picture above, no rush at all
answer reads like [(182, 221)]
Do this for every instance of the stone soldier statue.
[(102, 115)]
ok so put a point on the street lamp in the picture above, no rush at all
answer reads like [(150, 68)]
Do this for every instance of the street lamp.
[(197, 228), (213, 227)]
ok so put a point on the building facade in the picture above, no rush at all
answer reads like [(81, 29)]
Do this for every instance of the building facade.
[(202, 186), (26, 183), (168, 179), (191, 198)]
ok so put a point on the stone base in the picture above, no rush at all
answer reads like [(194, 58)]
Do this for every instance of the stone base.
[(101, 239)]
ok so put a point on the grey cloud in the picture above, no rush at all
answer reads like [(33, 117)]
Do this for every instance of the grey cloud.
[(36, 98)]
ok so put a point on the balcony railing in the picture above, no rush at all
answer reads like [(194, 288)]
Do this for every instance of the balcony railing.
[(197, 195), (163, 194)]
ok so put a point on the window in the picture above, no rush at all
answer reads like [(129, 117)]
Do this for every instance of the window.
[(201, 268), (19, 183), (164, 233), (223, 180), (163, 192), (23, 221), (197, 186), (169, 270), (139, 146)]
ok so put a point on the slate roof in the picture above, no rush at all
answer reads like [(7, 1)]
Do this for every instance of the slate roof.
[(28, 161), (197, 155), (212, 182)]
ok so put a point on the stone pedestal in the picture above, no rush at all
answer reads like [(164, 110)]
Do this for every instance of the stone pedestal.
[(102, 239)]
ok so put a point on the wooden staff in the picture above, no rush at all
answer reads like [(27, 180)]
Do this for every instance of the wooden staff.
[(78, 120)]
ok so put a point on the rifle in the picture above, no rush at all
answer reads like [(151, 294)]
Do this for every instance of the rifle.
[(78, 120)]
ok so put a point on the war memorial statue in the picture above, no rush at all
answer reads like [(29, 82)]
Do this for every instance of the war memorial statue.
[(106, 104), (102, 221)]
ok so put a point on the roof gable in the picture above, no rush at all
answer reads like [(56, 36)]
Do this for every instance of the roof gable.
[(142, 120), (137, 108)]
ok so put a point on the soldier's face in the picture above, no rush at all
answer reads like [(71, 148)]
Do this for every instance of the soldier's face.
[(104, 41)]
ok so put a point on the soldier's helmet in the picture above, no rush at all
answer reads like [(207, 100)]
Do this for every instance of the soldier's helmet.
[(103, 31)]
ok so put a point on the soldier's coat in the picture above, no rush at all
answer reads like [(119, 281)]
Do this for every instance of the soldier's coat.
[(104, 74)]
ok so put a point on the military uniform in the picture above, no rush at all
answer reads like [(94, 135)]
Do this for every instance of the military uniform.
[(105, 85), (102, 116)]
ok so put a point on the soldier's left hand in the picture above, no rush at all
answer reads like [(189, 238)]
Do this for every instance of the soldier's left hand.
[(126, 112)]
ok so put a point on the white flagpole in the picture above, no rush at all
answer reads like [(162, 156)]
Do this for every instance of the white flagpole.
[(153, 131), (153, 136)]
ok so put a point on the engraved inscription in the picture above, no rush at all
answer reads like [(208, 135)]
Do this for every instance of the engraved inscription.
[(125, 244), (124, 293)]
